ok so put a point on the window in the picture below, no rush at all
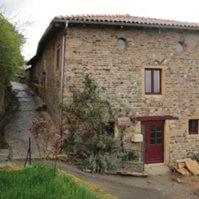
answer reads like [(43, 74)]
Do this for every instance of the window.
[(179, 47), (193, 126), (121, 43), (58, 58), (152, 81)]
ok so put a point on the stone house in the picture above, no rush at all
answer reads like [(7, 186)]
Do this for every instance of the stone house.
[(148, 68)]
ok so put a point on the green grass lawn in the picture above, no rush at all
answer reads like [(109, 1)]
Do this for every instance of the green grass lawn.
[(41, 182)]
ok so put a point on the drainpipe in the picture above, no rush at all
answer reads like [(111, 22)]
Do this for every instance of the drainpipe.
[(62, 76)]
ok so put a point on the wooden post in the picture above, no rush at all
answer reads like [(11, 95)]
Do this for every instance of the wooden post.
[(28, 156), (30, 162)]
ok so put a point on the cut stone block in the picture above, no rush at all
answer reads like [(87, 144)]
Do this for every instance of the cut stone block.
[(183, 171), (181, 165), (192, 166)]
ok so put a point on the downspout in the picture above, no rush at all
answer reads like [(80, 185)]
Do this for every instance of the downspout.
[(62, 77)]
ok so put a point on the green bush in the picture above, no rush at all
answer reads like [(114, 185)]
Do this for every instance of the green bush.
[(101, 162), (103, 155), (89, 118), (104, 143), (91, 139), (129, 156)]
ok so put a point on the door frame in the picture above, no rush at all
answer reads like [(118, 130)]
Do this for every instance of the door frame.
[(144, 123), (168, 130)]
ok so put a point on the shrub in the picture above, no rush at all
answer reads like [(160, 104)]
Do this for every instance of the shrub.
[(104, 154), (38, 125), (101, 162), (129, 156), (89, 118)]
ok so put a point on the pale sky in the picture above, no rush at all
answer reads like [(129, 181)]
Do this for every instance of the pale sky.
[(41, 12)]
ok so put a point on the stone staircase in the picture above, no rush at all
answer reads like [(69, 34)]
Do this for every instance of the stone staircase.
[(4, 155)]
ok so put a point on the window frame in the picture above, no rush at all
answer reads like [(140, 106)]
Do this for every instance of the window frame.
[(152, 81), (196, 131)]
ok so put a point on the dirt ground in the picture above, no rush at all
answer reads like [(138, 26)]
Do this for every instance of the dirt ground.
[(192, 183), (168, 186)]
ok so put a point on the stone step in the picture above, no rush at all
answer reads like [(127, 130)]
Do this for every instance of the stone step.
[(156, 169), (4, 154)]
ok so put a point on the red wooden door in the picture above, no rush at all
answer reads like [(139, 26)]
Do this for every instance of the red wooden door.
[(154, 141)]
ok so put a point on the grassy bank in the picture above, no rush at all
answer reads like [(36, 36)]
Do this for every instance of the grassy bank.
[(41, 182)]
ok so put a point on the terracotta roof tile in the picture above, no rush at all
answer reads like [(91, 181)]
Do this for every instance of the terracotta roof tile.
[(127, 19)]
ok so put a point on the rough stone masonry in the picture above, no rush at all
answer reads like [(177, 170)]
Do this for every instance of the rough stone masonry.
[(118, 69)]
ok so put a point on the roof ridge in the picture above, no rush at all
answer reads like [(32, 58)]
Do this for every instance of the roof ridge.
[(126, 18)]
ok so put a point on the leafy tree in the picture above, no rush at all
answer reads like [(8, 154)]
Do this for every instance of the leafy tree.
[(11, 59)]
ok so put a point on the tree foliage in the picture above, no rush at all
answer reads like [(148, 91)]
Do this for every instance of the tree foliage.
[(10, 55)]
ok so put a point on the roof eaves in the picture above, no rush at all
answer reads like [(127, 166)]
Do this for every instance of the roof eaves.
[(43, 38), (134, 24)]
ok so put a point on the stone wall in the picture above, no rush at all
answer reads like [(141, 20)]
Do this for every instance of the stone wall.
[(120, 76), (45, 77)]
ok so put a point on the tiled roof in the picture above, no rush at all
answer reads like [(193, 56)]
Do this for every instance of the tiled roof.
[(113, 20), (127, 20)]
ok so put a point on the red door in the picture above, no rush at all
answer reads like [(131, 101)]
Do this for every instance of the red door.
[(154, 141)]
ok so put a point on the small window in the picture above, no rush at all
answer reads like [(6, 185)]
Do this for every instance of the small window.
[(58, 58), (193, 126), (121, 43), (152, 81), (179, 47)]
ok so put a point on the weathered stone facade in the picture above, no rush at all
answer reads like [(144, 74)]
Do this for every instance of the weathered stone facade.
[(119, 73), (45, 78)]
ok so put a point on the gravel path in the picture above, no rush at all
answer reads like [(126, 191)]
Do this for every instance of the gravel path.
[(16, 132), (152, 187)]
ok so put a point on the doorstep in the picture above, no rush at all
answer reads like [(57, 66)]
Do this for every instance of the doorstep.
[(156, 169)]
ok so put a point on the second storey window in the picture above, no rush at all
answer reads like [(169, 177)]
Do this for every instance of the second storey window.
[(152, 81)]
